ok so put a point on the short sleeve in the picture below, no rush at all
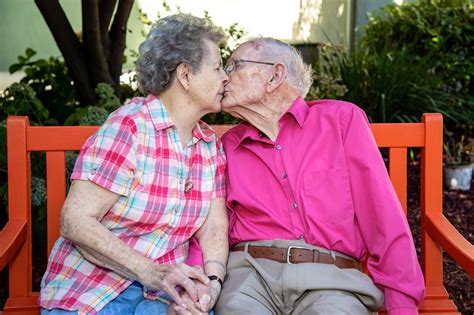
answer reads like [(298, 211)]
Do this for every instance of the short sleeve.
[(220, 162), (108, 158)]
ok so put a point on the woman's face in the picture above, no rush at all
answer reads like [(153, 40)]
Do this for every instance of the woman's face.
[(207, 84)]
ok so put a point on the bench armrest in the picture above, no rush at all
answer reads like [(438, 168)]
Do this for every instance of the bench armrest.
[(12, 238), (445, 234)]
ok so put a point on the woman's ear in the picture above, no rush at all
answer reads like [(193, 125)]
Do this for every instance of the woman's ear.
[(183, 75), (277, 78)]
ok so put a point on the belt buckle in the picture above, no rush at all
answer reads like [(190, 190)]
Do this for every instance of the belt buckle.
[(288, 252)]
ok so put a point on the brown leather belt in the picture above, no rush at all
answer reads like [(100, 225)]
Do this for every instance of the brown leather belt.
[(298, 255)]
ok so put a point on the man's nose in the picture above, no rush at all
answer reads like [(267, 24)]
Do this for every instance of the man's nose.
[(225, 79)]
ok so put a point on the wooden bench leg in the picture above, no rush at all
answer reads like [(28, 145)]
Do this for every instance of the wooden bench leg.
[(22, 305), (437, 302)]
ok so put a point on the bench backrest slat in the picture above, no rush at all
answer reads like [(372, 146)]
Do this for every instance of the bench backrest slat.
[(56, 192), (398, 173)]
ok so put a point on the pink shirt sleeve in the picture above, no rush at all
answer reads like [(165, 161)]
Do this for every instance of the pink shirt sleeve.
[(392, 261)]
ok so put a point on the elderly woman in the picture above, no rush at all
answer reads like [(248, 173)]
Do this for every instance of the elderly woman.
[(148, 180)]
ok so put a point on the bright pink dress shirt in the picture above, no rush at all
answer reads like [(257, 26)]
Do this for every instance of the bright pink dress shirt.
[(323, 180)]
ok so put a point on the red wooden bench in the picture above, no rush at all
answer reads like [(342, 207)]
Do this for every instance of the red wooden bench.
[(437, 234)]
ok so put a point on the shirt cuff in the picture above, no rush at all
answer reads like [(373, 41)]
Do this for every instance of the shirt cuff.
[(403, 311), (398, 303)]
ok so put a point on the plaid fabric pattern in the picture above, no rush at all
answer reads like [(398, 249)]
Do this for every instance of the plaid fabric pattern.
[(137, 153)]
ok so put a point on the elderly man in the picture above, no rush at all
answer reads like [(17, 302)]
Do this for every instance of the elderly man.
[(308, 197)]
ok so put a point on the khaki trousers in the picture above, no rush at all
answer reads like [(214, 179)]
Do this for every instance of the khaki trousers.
[(262, 286)]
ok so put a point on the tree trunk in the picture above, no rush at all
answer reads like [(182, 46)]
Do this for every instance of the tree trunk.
[(118, 33), (106, 11), (96, 61), (100, 57), (70, 47)]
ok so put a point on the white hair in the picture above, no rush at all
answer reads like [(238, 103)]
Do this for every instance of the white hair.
[(299, 73), (173, 40)]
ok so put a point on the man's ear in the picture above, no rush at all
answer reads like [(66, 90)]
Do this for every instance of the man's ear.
[(183, 75), (277, 78)]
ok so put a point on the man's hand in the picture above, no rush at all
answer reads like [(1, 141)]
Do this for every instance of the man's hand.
[(207, 298)]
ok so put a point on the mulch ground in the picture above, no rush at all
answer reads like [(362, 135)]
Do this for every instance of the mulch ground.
[(458, 208)]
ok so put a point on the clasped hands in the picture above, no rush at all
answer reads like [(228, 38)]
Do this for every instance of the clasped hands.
[(198, 294), (206, 298)]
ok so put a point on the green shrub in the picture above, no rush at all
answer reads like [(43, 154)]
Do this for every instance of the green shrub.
[(94, 115), (442, 30), (327, 81), (107, 98), (389, 87), (53, 87), (398, 88), (38, 191), (19, 99), (439, 36)]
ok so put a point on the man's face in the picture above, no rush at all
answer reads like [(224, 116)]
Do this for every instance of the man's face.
[(248, 74)]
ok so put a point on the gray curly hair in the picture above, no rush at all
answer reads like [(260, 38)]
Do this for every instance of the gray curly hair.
[(173, 40), (300, 74)]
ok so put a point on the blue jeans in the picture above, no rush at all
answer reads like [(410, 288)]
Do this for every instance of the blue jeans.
[(130, 301)]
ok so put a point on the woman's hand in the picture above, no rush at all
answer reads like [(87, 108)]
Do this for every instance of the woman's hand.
[(168, 278), (80, 223), (207, 298)]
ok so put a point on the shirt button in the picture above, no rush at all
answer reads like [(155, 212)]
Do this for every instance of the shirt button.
[(93, 171), (295, 205), (278, 147), (261, 135), (284, 175)]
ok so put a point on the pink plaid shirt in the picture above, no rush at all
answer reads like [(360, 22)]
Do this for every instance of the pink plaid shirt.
[(137, 153)]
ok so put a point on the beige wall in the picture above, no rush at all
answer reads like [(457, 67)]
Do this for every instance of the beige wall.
[(294, 21), (322, 21)]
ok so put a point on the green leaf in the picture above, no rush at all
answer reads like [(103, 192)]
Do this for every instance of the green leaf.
[(75, 117), (30, 53), (29, 72), (15, 67), (41, 63)]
